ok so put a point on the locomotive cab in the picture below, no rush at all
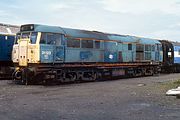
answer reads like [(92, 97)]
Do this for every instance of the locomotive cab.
[(25, 48), (36, 47), (33, 46)]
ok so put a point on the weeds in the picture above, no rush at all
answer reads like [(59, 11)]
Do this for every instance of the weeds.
[(171, 85)]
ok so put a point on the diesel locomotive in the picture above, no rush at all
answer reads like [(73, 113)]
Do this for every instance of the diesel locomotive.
[(44, 53), (7, 37), (171, 56)]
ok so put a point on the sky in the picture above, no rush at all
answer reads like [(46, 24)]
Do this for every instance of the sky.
[(158, 19)]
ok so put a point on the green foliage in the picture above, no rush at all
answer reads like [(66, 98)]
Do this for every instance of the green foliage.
[(170, 85)]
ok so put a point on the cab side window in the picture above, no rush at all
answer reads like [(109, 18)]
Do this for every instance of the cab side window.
[(33, 37), (43, 38), (50, 38), (18, 35)]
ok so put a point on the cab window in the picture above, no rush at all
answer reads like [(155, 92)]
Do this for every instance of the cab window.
[(18, 35), (50, 38), (25, 35), (43, 38), (33, 37)]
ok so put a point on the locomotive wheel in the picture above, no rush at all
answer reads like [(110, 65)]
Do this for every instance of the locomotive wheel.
[(69, 77), (94, 76), (73, 77)]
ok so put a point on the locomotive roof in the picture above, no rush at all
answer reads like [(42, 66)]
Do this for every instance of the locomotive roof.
[(123, 38), (149, 41), (71, 32), (93, 34)]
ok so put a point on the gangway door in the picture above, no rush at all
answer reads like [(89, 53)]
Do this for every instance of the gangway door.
[(23, 53)]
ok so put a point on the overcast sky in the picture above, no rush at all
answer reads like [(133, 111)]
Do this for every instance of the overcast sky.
[(146, 18)]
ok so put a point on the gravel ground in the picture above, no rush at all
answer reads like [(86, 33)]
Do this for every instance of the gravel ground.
[(125, 99)]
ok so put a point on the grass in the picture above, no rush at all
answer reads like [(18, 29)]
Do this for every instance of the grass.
[(171, 84)]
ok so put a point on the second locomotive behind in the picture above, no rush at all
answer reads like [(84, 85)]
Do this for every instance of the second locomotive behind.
[(171, 57), (7, 37)]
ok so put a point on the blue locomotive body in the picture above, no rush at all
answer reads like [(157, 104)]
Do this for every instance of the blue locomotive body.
[(6, 45), (7, 37), (6, 64), (176, 57), (63, 53), (176, 47)]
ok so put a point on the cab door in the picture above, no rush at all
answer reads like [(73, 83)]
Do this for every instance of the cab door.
[(23, 52), (59, 48)]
